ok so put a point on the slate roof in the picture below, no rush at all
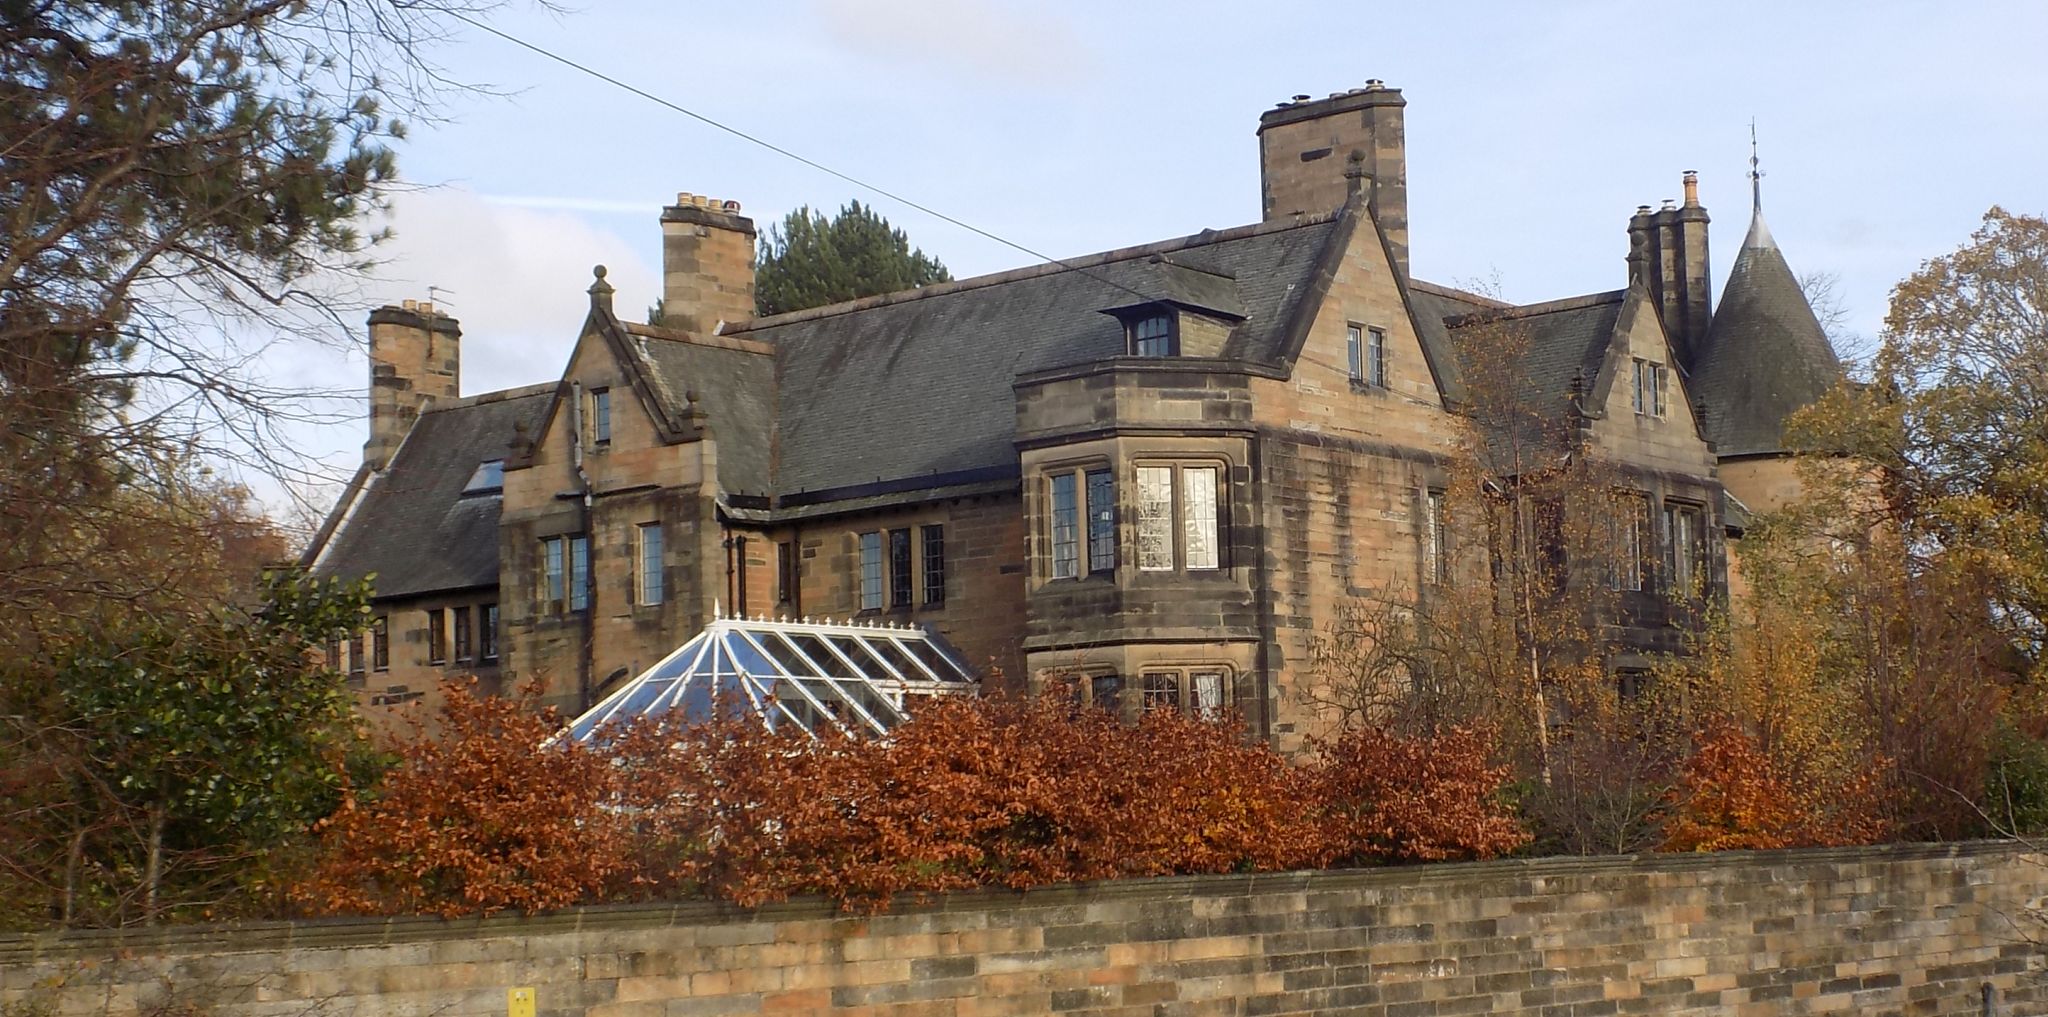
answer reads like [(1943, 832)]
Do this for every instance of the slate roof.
[(734, 388), (918, 384), (411, 525), (1765, 354), (1563, 343)]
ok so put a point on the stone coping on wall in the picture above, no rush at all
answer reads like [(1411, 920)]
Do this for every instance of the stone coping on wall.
[(301, 934)]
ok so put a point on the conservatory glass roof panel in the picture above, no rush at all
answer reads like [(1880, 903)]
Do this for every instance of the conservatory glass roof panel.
[(864, 679)]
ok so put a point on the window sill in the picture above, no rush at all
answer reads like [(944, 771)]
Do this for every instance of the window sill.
[(1217, 576)]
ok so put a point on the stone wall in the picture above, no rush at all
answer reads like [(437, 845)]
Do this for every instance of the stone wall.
[(1902, 930)]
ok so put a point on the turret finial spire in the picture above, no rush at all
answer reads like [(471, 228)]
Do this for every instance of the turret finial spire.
[(1756, 176)]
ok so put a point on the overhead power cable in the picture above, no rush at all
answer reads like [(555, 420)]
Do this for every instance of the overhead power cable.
[(779, 150)]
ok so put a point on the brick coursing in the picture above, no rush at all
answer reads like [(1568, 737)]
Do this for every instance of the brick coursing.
[(1891, 930)]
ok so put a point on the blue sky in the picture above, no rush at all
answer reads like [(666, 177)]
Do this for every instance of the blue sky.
[(1534, 130)]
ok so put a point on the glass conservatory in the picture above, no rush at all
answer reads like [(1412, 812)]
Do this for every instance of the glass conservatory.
[(863, 679)]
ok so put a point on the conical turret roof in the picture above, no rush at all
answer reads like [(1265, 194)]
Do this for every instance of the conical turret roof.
[(1765, 355)]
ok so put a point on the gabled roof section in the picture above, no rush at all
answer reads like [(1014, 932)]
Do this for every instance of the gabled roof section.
[(918, 384), (411, 525), (1431, 306), (726, 384), (1557, 348), (1765, 355)]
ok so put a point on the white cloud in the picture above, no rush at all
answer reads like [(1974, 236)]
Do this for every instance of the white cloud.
[(1004, 43), (515, 277)]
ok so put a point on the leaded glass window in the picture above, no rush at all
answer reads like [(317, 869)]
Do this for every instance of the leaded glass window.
[(651, 586), (1066, 548), (1436, 538), (551, 571), (934, 563), (871, 571), (579, 573), (1155, 518), (1162, 691), (1199, 516), (1208, 694), (1101, 522), (1628, 526), (487, 632), (1683, 548), (900, 594)]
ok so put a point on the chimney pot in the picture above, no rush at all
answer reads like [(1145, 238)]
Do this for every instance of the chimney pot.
[(415, 359), (1670, 204), (707, 263), (1303, 164)]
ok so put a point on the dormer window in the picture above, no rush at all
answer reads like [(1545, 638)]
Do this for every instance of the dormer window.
[(1154, 335)]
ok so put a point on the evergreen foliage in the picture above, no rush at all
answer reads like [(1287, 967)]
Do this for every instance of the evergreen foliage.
[(810, 261)]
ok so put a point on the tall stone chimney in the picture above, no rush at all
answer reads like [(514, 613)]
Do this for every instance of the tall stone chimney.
[(1308, 147), (707, 263), (415, 358), (1667, 253)]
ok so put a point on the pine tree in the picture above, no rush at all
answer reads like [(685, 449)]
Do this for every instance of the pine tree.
[(810, 261)]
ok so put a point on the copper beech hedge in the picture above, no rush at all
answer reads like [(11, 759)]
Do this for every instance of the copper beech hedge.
[(1006, 792)]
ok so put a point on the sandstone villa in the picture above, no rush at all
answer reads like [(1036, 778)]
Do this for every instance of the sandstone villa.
[(1161, 468)]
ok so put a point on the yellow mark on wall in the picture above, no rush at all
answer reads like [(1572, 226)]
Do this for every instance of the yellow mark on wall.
[(519, 1002)]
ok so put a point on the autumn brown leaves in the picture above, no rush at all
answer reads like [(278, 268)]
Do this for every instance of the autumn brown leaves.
[(994, 792)]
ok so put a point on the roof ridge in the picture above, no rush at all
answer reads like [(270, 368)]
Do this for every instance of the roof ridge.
[(483, 398), (1455, 293), (1546, 307), (1191, 241), (718, 341)]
